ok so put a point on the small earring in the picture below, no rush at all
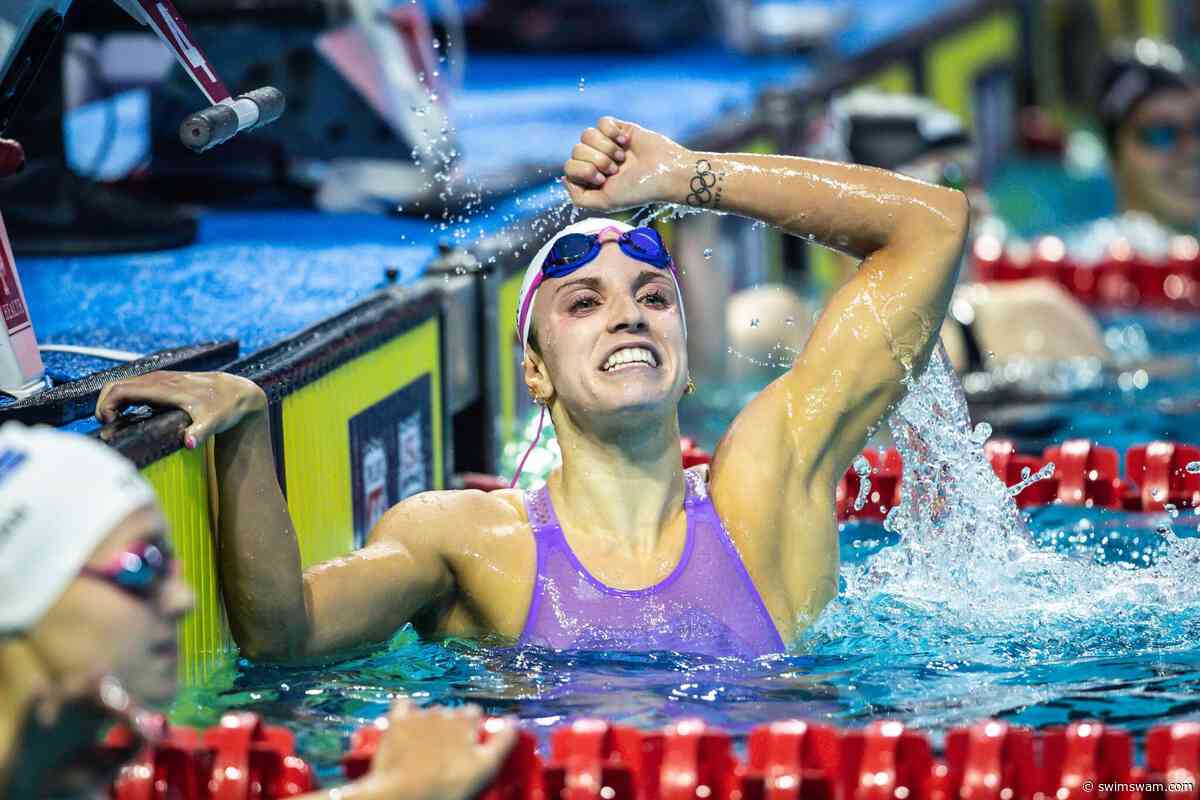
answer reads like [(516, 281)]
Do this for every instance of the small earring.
[(691, 386), (537, 400)]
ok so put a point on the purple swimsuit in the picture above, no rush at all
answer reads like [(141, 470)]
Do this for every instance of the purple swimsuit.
[(707, 605)]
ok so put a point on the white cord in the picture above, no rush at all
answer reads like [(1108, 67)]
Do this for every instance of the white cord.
[(95, 352)]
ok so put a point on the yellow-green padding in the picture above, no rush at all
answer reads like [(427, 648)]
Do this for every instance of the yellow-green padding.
[(1126, 18), (506, 333), (316, 436), (953, 64), (181, 481), (897, 78), (1153, 18)]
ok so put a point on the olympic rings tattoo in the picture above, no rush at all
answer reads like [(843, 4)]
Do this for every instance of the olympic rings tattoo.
[(704, 186)]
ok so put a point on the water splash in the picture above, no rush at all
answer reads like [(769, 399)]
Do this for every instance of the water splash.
[(862, 468), (968, 578), (1028, 479)]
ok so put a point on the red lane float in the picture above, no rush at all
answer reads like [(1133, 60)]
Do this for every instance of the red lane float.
[(1085, 474), (239, 759), (1173, 757), (795, 760), (990, 761), (791, 760), (1160, 470), (1119, 278)]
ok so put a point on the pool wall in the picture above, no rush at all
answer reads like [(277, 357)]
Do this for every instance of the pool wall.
[(356, 406)]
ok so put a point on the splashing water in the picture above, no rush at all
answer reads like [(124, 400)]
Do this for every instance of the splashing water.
[(968, 579), (1028, 479), (862, 468)]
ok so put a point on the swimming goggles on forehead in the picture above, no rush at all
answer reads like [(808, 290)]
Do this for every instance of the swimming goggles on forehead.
[(140, 571), (574, 250)]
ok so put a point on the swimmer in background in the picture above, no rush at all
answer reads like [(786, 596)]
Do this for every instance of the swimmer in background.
[(622, 549), (89, 603), (1148, 105), (916, 137)]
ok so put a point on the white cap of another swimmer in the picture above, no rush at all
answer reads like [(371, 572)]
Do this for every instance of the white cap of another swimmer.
[(61, 494)]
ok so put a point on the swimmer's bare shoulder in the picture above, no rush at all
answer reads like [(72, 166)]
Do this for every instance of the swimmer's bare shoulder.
[(484, 541)]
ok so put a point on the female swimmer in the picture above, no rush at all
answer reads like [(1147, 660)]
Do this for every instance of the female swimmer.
[(622, 549)]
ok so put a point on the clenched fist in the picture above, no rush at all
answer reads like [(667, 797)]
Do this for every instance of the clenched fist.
[(619, 165)]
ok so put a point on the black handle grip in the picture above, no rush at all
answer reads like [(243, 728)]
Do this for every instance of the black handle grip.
[(206, 129), (209, 128), (271, 104)]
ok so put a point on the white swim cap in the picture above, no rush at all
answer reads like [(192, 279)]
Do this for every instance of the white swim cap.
[(61, 494), (529, 286)]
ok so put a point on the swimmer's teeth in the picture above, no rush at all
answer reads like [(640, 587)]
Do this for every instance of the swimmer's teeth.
[(629, 355)]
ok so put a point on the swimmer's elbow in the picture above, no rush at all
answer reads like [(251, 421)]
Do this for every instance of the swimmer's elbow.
[(267, 647), (280, 644), (287, 639)]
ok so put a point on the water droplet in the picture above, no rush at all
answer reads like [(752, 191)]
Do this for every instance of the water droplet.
[(1193, 467), (754, 322), (790, 321), (708, 253), (581, 84), (1025, 471), (862, 468), (981, 433)]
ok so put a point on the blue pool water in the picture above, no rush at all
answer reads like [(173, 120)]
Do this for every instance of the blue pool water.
[(963, 616)]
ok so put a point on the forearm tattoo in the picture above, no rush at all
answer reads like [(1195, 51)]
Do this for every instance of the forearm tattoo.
[(705, 186)]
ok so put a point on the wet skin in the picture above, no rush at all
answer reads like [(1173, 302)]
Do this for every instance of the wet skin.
[(463, 562)]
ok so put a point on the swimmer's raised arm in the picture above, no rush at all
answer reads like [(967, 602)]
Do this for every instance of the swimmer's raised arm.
[(775, 470), (276, 610), (880, 326)]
